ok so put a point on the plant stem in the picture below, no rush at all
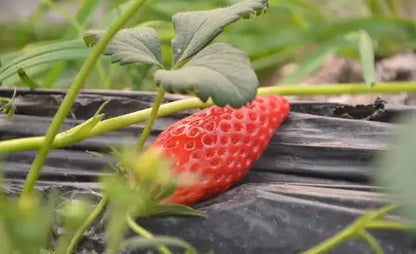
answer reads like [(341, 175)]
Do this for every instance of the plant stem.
[(372, 242), (32, 143), (389, 225), (334, 89), (358, 229), (88, 222), (330, 243), (152, 118), (61, 140), (72, 93), (144, 233)]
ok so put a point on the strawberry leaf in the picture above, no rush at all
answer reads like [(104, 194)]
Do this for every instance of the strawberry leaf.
[(145, 243), (194, 30), (175, 209), (219, 71), (135, 45)]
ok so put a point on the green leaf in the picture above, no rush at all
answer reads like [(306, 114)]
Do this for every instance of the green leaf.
[(83, 129), (162, 192), (65, 50), (396, 168), (318, 57), (28, 222), (175, 210), (219, 71), (135, 45), (195, 30), (136, 201), (145, 243), (371, 241), (71, 54), (26, 79), (366, 48), (8, 107)]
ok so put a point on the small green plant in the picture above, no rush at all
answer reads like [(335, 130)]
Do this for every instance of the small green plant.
[(26, 224), (7, 105), (218, 71), (148, 177), (371, 220)]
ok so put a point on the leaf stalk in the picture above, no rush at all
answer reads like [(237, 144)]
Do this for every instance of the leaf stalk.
[(144, 233), (153, 114), (73, 91), (98, 210)]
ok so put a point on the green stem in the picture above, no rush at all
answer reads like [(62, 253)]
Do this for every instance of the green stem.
[(371, 241), (32, 143), (153, 114), (383, 211), (144, 233), (72, 93), (116, 227), (62, 242), (88, 222), (338, 89), (8, 100), (61, 140), (330, 243), (358, 229), (389, 225)]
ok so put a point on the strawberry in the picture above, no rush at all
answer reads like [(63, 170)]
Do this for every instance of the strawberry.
[(220, 144)]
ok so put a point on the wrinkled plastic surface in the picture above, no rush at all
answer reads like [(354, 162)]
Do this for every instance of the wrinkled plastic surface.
[(312, 181)]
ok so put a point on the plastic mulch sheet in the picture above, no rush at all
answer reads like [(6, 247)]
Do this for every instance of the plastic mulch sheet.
[(314, 178)]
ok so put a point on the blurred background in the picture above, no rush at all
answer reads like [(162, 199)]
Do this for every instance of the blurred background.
[(297, 41)]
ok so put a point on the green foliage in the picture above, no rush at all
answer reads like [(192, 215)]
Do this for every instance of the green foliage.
[(7, 106), (397, 168), (138, 45), (136, 189), (26, 79), (219, 71), (360, 40), (74, 212), (370, 220), (292, 32), (195, 30), (26, 224), (366, 48), (142, 183), (143, 243), (67, 50)]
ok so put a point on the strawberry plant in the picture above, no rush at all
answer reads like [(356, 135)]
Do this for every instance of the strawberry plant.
[(218, 71), (207, 152)]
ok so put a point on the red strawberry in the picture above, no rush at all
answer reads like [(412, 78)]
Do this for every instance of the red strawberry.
[(220, 144)]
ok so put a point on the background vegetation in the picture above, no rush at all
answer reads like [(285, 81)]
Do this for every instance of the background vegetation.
[(302, 32)]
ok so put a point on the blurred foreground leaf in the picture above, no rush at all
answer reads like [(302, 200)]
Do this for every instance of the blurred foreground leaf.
[(397, 169)]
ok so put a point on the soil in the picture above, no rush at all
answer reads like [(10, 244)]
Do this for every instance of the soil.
[(400, 67)]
